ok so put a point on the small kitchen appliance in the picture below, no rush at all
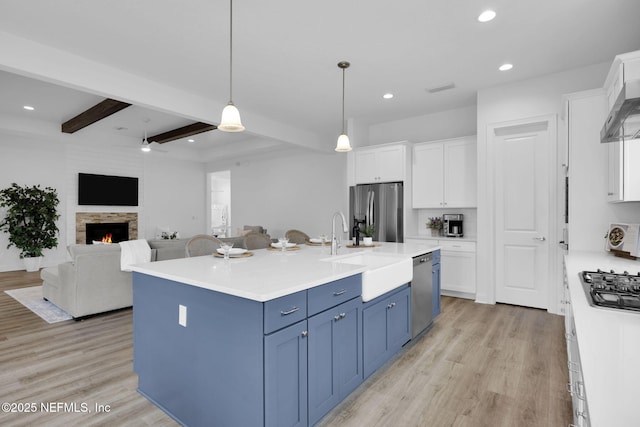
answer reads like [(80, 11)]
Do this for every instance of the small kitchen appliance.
[(452, 225), (611, 289)]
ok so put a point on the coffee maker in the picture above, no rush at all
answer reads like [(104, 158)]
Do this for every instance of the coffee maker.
[(452, 225)]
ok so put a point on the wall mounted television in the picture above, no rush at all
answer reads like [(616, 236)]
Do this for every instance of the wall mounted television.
[(107, 190)]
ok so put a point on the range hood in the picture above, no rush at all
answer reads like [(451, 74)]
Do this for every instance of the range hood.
[(623, 122)]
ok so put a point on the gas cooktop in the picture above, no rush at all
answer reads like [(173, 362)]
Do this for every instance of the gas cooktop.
[(611, 289)]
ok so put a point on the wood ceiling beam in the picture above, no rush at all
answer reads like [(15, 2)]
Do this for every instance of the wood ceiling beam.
[(183, 132), (93, 114)]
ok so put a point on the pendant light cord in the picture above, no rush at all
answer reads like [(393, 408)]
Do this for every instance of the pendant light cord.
[(230, 50), (343, 101)]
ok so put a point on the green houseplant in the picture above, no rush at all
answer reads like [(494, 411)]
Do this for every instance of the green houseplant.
[(30, 219), (368, 231), (436, 225)]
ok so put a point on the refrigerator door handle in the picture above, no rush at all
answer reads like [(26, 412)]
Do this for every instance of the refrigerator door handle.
[(371, 206)]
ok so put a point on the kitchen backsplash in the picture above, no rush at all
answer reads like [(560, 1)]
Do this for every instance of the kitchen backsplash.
[(470, 220)]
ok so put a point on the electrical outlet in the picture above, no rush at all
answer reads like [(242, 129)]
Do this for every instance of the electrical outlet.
[(182, 315)]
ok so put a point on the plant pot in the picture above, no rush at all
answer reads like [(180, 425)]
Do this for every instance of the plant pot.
[(435, 232), (32, 263), (367, 241)]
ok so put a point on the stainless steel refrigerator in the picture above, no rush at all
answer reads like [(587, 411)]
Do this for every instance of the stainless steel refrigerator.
[(380, 205)]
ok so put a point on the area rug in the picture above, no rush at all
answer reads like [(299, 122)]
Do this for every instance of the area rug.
[(32, 299)]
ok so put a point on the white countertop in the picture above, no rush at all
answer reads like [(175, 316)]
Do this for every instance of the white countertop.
[(271, 274), (609, 345), (426, 237)]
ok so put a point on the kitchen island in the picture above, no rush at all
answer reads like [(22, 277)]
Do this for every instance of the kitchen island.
[(270, 339), (608, 342)]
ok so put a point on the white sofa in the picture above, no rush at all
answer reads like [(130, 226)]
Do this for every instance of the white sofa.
[(90, 283)]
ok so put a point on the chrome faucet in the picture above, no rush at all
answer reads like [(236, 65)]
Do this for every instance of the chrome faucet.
[(334, 240)]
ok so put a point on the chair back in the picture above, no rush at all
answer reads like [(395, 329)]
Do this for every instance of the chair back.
[(296, 236), (201, 244), (256, 241)]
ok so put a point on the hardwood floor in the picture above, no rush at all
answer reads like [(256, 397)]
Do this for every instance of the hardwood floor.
[(480, 365)]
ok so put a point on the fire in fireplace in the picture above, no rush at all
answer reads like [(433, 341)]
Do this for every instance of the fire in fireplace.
[(107, 232)]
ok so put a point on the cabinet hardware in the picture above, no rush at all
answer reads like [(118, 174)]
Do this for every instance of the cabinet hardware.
[(305, 334), (343, 315), (340, 292), (293, 310), (336, 317), (570, 388), (542, 239), (393, 304)]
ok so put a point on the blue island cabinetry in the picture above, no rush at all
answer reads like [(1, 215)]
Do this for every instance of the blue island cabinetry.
[(386, 327), (240, 362)]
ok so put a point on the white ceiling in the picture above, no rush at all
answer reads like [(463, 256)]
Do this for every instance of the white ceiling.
[(286, 51)]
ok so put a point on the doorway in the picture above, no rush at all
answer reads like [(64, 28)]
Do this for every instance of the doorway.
[(524, 191), (219, 218)]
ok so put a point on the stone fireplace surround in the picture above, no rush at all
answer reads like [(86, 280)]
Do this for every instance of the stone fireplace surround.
[(82, 218)]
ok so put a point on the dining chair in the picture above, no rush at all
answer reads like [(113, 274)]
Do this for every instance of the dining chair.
[(201, 244), (296, 236), (256, 241)]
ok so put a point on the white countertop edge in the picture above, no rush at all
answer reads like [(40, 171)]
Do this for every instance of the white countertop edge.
[(309, 259), (252, 295)]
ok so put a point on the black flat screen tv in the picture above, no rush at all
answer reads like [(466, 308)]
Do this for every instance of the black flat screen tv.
[(107, 190)]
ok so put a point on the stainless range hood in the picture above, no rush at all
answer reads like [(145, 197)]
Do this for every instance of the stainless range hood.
[(624, 119)]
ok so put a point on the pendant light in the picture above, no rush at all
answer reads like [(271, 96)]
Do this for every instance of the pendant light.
[(145, 144), (343, 144), (230, 121)]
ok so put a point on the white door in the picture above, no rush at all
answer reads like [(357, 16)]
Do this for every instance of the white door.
[(522, 214)]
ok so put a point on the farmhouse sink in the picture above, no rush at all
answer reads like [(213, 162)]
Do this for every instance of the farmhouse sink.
[(384, 272)]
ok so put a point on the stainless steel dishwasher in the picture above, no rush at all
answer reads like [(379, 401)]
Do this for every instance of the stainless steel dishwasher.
[(421, 294)]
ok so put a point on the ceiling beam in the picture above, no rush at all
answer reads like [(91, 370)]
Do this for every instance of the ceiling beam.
[(93, 114), (183, 132)]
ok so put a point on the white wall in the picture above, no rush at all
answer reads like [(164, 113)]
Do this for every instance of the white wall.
[(28, 161), (428, 127), (172, 191), (174, 196), (300, 190), (531, 98)]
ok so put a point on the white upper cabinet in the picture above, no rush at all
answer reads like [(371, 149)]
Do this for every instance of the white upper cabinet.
[(380, 164), (444, 174)]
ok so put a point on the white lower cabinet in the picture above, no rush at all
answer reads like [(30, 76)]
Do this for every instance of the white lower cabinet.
[(576, 382), (457, 266)]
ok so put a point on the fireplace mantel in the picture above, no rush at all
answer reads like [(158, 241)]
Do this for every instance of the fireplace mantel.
[(82, 218)]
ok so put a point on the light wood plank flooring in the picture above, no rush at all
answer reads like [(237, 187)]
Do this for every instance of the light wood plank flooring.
[(480, 365)]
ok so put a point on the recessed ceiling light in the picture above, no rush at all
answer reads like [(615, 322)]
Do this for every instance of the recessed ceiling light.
[(387, 96), (486, 16), (28, 107), (505, 67), (191, 140)]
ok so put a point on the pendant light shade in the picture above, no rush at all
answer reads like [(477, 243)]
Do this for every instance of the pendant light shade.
[(343, 144), (230, 120)]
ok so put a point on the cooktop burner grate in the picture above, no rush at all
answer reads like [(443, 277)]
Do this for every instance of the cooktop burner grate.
[(612, 290)]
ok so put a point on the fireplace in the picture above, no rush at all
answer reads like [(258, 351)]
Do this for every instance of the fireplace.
[(107, 232), (102, 218)]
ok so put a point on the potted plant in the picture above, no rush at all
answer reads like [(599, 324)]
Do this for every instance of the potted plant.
[(435, 224), (30, 221), (368, 231)]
